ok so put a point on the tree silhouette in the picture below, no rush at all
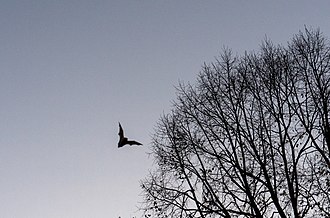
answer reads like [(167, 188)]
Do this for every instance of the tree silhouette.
[(250, 139)]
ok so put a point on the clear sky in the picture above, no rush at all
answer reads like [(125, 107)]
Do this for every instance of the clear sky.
[(71, 69)]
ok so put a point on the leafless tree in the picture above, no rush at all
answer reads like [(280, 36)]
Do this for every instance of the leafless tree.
[(250, 139)]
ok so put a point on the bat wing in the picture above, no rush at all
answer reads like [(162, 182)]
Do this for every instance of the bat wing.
[(132, 142), (121, 132)]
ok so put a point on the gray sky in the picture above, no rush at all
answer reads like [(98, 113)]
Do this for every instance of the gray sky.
[(70, 70)]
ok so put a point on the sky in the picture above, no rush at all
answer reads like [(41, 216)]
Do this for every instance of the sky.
[(70, 70)]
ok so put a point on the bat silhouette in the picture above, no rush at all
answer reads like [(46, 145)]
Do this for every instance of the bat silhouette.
[(123, 140)]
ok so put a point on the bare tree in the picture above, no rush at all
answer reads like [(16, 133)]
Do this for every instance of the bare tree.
[(250, 139)]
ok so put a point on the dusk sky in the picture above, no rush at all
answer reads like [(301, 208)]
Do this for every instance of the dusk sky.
[(71, 69)]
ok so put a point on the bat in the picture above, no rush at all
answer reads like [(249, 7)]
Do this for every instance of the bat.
[(123, 140)]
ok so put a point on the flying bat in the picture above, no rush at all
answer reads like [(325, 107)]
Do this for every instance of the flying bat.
[(123, 140)]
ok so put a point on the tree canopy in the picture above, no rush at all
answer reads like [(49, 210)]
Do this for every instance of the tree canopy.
[(251, 138)]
